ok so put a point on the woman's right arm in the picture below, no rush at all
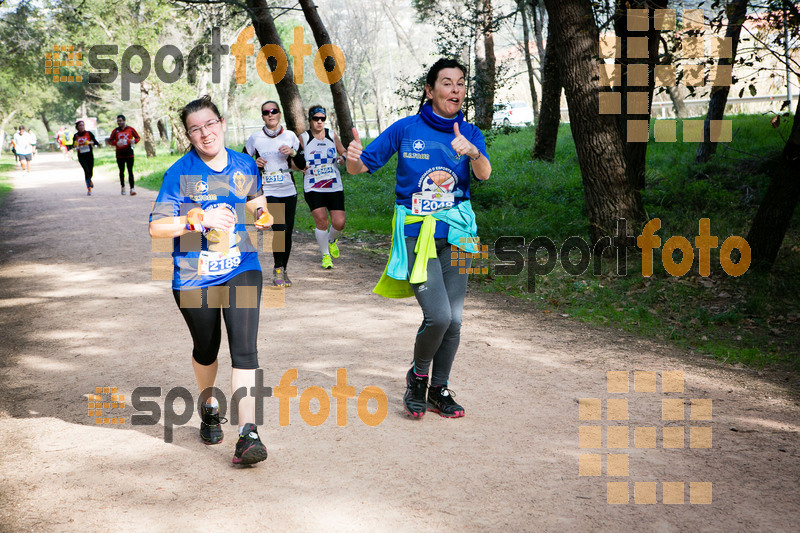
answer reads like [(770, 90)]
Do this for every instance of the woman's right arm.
[(170, 227), (163, 222)]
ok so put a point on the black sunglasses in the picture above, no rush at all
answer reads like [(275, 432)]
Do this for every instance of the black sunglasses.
[(321, 119), (270, 111)]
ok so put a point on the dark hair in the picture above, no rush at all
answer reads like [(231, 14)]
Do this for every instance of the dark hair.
[(314, 109), (121, 116), (21, 127), (79, 122), (433, 74), (196, 105), (271, 102)]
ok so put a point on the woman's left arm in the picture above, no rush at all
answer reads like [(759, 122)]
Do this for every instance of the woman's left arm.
[(481, 166)]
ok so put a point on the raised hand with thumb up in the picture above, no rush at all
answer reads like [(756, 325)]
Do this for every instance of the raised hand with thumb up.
[(462, 146), (354, 150), (354, 147)]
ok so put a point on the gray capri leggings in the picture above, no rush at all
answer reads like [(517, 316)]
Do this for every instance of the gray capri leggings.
[(441, 298)]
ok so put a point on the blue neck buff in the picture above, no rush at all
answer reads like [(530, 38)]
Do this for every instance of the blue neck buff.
[(439, 123)]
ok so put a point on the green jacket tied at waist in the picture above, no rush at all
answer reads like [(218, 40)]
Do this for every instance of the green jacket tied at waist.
[(463, 233)]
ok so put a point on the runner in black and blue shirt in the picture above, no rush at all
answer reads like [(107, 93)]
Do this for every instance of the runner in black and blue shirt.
[(437, 155), (203, 204), (322, 183)]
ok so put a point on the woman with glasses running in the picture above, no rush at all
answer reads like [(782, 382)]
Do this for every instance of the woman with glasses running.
[(202, 205), (322, 183), (437, 155), (277, 151)]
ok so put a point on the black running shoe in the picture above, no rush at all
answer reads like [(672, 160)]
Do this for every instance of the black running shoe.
[(211, 425), (249, 449), (414, 398), (440, 400)]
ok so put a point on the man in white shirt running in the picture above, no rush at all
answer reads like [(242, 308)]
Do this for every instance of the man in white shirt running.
[(23, 144)]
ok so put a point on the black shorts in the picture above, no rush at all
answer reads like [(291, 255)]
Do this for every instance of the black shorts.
[(204, 319), (25, 157), (334, 201)]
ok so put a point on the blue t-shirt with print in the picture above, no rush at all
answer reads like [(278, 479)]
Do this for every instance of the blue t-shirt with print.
[(190, 183), (425, 162)]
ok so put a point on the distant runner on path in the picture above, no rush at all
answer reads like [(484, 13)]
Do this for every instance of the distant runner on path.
[(83, 142), (124, 138), (23, 144)]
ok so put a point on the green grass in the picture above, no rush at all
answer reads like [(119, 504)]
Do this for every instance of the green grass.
[(752, 320), (7, 166)]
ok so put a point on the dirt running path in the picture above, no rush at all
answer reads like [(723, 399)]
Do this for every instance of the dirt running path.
[(80, 310)]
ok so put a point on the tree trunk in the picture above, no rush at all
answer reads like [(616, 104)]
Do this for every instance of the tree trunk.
[(378, 99), (485, 67), (550, 115), (45, 122), (179, 133), (736, 11), (601, 152), (363, 117), (147, 131), (400, 32), (777, 207), (230, 107), (162, 129), (538, 20), (523, 11), (293, 110), (338, 92), (635, 147), (378, 118), (677, 102), (352, 104), (3, 126)]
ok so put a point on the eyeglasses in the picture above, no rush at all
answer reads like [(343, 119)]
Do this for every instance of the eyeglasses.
[(208, 125), (270, 112), (321, 119)]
